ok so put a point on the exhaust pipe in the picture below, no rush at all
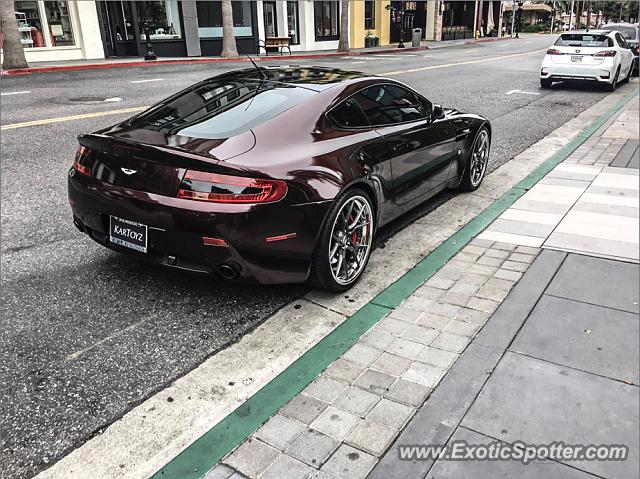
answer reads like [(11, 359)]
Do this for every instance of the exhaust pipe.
[(227, 272)]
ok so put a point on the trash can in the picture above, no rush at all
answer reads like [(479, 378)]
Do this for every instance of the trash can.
[(416, 36)]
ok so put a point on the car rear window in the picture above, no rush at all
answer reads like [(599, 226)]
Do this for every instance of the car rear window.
[(629, 33), (584, 40), (220, 109)]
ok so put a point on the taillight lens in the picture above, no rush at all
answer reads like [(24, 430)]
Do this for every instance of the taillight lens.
[(216, 188), (80, 162), (605, 53), (554, 51)]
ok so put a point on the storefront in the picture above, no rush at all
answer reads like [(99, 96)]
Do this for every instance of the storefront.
[(51, 30), (369, 18), (405, 16), (175, 28)]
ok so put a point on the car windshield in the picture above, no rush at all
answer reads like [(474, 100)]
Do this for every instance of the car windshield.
[(629, 33), (584, 40), (220, 109)]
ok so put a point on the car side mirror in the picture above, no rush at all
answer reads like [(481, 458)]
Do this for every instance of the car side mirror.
[(438, 112)]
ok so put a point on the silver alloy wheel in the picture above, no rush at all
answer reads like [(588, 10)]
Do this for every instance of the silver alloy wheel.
[(479, 158), (351, 238)]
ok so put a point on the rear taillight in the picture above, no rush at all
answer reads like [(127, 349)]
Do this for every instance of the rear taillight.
[(216, 188), (554, 51), (605, 53), (80, 162)]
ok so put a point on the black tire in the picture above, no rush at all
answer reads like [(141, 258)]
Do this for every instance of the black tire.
[(545, 83), (467, 182), (635, 70), (322, 274), (614, 84)]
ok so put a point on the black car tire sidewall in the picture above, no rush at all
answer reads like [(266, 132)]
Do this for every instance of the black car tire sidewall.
[(466, 184), (320, 275)]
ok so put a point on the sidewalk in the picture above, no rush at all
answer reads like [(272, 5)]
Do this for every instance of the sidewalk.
[(124, 62), (529, 333)]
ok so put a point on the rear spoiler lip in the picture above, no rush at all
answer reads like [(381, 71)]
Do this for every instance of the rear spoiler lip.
[(123, 148)]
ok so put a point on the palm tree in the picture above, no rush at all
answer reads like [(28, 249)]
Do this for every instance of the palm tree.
[(13, 53), (229, 49), (343, 44)]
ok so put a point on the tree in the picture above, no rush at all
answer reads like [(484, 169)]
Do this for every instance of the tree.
[(12, 51), (343, 44), (229, 49)]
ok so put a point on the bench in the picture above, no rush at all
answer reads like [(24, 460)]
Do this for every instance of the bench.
[(274, 44)]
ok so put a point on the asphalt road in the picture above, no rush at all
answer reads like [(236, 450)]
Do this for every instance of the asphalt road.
[(86, 334)]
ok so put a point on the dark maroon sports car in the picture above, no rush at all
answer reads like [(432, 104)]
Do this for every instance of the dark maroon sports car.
[(272, 175)]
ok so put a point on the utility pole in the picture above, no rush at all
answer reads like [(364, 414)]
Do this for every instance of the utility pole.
[(553, 14), (513, 18), (571, 15)]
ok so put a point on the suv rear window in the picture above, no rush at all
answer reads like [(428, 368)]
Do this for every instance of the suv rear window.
[(583, 40), (219, 109)]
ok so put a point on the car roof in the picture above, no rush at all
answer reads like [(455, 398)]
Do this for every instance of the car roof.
[(310, 77)]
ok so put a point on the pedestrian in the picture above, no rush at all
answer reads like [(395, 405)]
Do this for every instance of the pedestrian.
[(504, 30)]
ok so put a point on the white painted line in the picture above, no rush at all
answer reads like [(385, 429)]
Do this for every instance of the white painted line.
[(146, 81), (113, 99), (353, 63), (7, 93), (511, 92)]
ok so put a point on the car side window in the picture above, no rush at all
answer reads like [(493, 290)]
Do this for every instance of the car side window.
[(348, 114), (390, 104), (621, 40)]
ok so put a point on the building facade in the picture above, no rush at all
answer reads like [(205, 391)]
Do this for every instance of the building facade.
[(58, 30)]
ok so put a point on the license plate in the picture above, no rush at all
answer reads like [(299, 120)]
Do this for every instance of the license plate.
[(576, 58), (128, 233)]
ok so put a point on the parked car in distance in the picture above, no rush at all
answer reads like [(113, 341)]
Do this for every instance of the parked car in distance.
[(272, 175), (601, 56), (631, 33)]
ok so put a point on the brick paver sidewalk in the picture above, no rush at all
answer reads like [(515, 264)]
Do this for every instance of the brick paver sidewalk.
[(387, 385)]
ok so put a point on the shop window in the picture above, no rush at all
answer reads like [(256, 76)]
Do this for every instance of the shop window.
[(30, 24), (270, 21), (292, 21), (162, 18), (369, 14), (326, 20), (210, 19), (59, 20)]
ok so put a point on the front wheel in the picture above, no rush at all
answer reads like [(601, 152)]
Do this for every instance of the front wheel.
[(476, 167), (345, 242), (545, 83)]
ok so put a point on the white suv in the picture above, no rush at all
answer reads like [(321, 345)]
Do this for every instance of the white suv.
[(597, 55)]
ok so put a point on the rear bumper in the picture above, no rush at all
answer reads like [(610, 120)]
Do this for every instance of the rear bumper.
[(601, 73), (176, 228)]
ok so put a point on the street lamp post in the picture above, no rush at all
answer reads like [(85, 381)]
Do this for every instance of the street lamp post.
[(400, 11), (150, 55)]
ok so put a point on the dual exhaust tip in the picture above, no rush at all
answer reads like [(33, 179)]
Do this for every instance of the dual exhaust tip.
[(227, 272)]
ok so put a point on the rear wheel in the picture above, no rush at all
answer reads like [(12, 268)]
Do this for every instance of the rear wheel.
[(477, 166), (614, 83), (345, 242), (545, 83)]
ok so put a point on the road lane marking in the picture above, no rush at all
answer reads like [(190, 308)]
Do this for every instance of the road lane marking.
[(7, 93), (137, 109), (470, 62), (146, 81), (82, 116), (511, 92)]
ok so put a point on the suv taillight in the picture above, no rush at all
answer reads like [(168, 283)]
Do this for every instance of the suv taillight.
[(216, 188), (605, 53), (554, 51), (80, 162)]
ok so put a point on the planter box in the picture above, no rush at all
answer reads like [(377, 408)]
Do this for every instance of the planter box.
[(370, 42)]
